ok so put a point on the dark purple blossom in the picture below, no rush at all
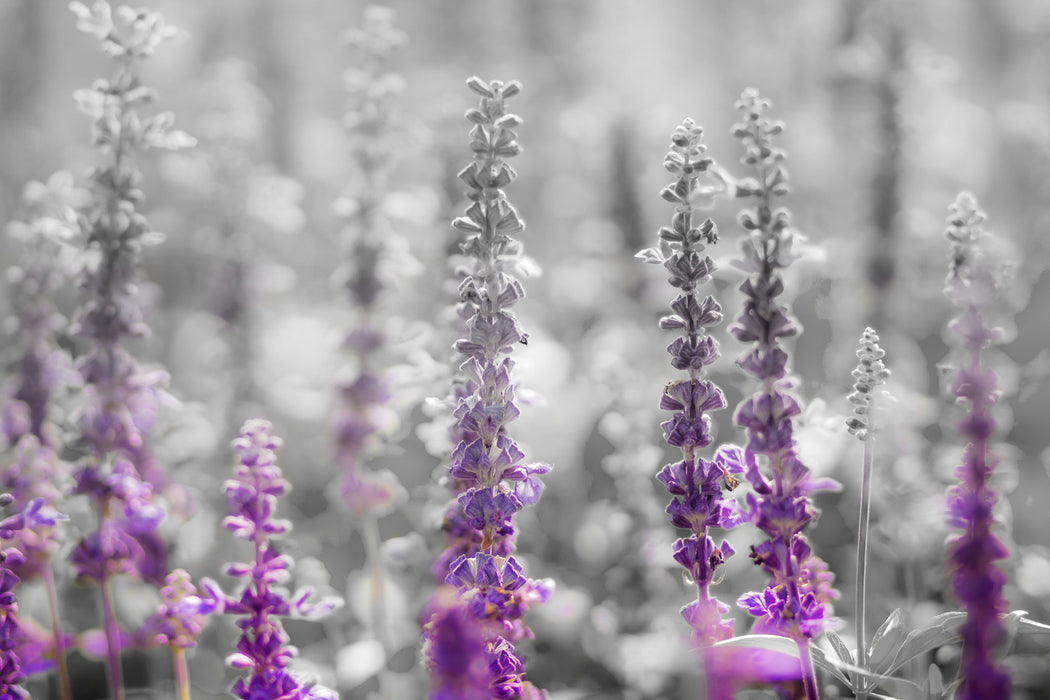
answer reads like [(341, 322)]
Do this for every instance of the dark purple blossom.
[(972, 553), (11, 671), (695, 484), (487, 469)]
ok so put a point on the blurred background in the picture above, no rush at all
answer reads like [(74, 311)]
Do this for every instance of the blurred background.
[(891, 108)]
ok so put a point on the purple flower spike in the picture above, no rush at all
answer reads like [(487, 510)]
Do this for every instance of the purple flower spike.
[(695, 484), (487, 469), (790, 605), (973, 552), (11, 636), (263, 646)]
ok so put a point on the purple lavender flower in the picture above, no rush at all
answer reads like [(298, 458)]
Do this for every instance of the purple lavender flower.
[(120, 472), (793, 604), (263, 647), (11, 673), (694, 483), (489, 476), (972, 553)]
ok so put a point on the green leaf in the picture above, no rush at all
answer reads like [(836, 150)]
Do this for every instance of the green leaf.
[(885, 642), (942, 629)]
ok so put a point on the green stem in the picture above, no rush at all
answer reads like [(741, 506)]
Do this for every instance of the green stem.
[(862, 560), (66, 691), (182, 673)]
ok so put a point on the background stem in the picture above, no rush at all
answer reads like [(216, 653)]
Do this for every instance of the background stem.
[(109, 621), (862, 561), (65, 689)]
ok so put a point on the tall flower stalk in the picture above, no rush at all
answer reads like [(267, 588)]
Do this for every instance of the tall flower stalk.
[(119, 474), (869, 375), (795, 602), (487, 466), (263, 649), (972, 553), (363, 415), (694, 483), (35, 471)]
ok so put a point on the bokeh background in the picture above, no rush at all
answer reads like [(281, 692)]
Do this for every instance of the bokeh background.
[(891, 108)]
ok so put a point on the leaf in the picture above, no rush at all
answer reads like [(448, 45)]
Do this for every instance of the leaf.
[(885, 642), (942, 629), (1031, 627), (844, 654), (934, 685)]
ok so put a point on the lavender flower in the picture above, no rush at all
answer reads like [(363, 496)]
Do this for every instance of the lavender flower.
[(796, 602), (363, 414), (972, 553), (455, 651), (263, 647), (695, 483), (120, 473), (11, 674), (487, 467), (869, 374)]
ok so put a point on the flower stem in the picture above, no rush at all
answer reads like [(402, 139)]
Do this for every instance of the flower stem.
[(182, 673), (112, 640), (66, 691), (862, 561), (809, 673), (377, 591)]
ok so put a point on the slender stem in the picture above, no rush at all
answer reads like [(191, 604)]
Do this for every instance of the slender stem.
[(56, 630), (862, 561), (370, 533), (182, 673), (112, 630), (809, 673)]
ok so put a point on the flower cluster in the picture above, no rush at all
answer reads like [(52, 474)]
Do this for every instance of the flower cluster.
[(972, 553), (869, 374), (120, 473), (11, 673), (487, 467), (35, 470), (797, 599), (371, 120), (263, 647), (122, 399), (696, 484)]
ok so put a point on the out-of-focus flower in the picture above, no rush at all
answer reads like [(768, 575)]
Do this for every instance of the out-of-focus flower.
[(972, 553)]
